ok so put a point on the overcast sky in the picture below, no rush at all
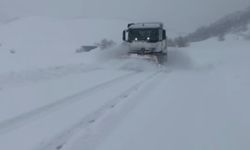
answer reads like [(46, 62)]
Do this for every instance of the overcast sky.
[(180, 15)]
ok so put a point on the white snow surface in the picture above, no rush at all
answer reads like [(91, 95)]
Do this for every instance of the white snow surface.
[(52, 98)]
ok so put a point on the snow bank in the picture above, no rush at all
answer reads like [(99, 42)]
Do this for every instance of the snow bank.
[(38, 42)]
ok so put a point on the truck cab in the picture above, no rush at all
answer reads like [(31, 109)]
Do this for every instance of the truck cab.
[(146, 38)]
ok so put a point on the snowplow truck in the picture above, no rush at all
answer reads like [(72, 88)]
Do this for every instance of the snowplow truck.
[(147, 39)]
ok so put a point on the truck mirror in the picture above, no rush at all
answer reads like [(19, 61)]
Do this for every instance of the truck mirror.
[(124, 36), (164, 37)]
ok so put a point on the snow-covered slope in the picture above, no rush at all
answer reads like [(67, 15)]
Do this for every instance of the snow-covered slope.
[(52, 98), (27, 42)]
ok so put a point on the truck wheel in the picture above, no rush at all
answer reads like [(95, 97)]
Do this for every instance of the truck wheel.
[(162, 58)]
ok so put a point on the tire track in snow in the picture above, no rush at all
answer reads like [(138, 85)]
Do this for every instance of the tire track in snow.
[(96, 135), (59, 142), (10, 124)]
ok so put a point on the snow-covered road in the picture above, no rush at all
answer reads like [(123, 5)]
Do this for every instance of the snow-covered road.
[(49, 124), (52, 98)]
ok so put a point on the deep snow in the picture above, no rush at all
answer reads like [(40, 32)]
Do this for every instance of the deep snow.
[(52, 98), (202, 104)]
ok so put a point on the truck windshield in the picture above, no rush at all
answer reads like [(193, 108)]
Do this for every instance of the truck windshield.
[(150, 35)]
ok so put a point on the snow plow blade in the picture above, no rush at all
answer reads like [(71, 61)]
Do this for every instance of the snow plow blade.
[(160, 58)]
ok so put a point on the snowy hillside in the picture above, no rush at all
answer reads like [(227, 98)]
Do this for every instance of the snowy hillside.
[(52, 98), (34, 39), (236, 22)]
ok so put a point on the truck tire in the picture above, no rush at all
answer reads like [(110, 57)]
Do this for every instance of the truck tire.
[(162, 58)]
